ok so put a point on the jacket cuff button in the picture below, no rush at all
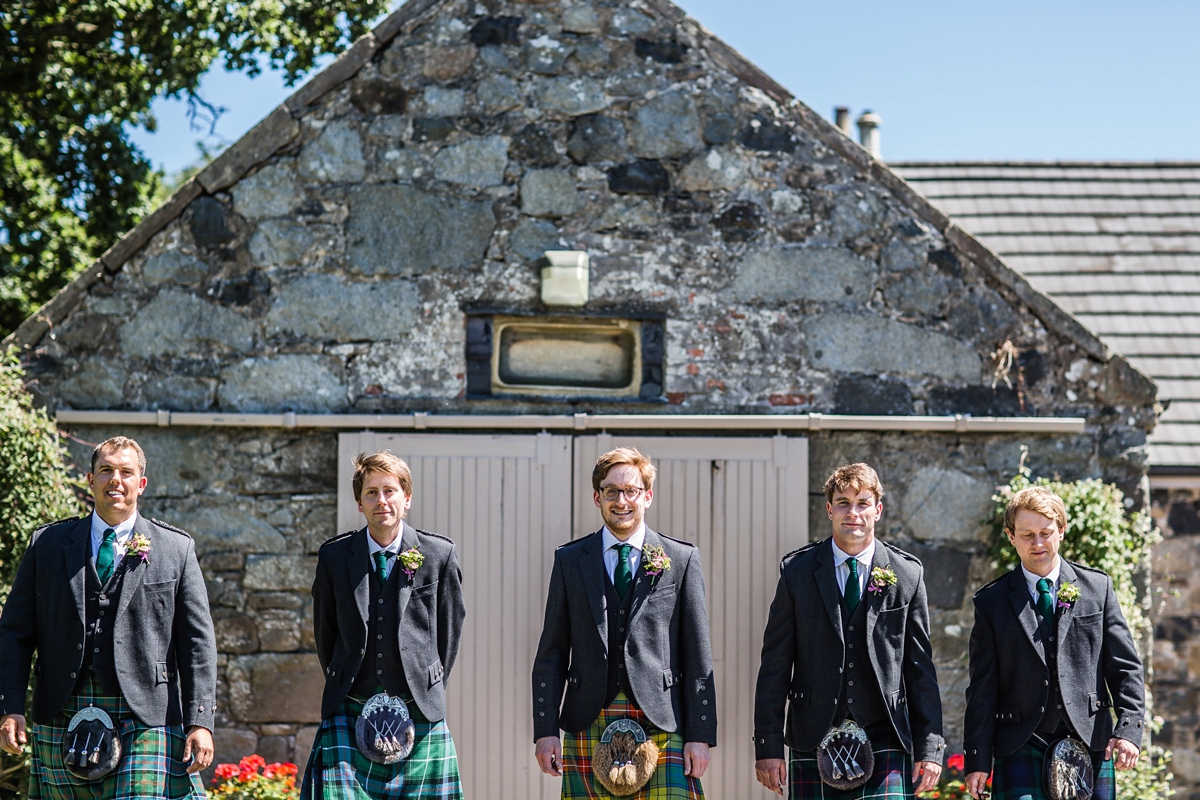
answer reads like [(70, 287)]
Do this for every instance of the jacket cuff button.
[(541, 713)]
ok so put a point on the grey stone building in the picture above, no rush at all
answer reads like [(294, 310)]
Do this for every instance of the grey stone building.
[(761, 302)]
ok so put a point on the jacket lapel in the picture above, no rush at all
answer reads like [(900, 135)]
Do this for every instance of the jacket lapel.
[(643, 583), (75, 559), (133, 566), (358, 568), (1066, 615), (408, 540), (1022, 604), (827, 586), (881, 558), (591, 565)]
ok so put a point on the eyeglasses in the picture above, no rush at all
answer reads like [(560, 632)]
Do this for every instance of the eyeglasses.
[(632, 493)]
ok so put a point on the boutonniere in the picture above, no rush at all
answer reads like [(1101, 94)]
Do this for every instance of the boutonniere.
[(655, 560), (411, 560), (1068, 594), (881, 578), (138, 545)]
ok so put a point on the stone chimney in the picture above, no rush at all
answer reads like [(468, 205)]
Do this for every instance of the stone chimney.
[(868, 132), (841, 118)]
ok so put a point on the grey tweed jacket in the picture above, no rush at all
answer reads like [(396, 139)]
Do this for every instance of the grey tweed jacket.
[(166, 652)]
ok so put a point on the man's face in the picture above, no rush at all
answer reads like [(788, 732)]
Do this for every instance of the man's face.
[(116, 484), (1037, 539), (383, 502), (854, 515), (622, 514)]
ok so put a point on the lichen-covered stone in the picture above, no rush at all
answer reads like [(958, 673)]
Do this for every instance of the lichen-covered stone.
[(719, 168), (534, 146), (179, 322), (279, 241), (782, 274), (591, 54), (283, 383), (173, 267), (549, 193), (666, 127), (270, 192), (442, 102), (448, 63), (930, 518), (533, 237), (392, 230), (278, 687), (580, 19), (330, 308), (597, 138), (179, 392), (571, 96), (476, 162), (229, 527), (99, 383), (279, 572), (862, 343), (546, 55), (335, 156), (498, 93)]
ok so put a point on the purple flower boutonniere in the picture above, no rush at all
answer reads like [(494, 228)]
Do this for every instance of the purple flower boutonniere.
[(881, 578), (1068, 594), (138, 545), (655, 560), (411, 560)]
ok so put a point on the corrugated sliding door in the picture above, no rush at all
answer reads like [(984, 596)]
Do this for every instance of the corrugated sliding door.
[(506, 502), (744, 503)]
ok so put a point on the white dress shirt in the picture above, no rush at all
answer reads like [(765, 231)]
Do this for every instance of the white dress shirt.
[(842, 570), (611, 554), (124, 533), (1031, 580), (374, 547)]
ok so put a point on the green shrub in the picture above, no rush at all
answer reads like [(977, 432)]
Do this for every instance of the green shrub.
[(1100, 535)]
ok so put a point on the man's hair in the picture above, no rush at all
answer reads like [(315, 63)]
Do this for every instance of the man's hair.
[(1040, 500), (853, 478), (624, 455), (383, 462), (119, 443)]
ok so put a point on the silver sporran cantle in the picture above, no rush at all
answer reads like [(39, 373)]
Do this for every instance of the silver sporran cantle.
[(625, 759), (92, 746), (844, 757), (385, 730), (1067, 772)]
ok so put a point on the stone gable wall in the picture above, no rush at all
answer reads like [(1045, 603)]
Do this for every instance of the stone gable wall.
[(334, 278)]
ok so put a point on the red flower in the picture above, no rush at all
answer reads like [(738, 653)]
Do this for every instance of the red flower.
[(225, 772), (957, 762)]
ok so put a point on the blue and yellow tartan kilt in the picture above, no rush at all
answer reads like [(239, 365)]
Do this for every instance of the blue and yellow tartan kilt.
[(338, 771), (1019, 776), (151, 763), (891, 780), (668, 781)]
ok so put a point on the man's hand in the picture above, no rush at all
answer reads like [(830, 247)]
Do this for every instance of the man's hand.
[(977, 784), (548, 752), (12, 733), (1124, 752), (772, 773), (928, 772), (199, 748), (695, 759)]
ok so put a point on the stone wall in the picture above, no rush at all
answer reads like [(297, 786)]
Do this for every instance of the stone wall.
[(794, 274), (1175, 611)]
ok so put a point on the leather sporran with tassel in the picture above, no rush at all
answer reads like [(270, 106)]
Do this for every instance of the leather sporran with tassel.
[(385, 732), (845, 759), (625, 759), (1067, 772), (92, 747)]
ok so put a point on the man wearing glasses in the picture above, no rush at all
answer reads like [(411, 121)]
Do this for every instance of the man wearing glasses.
[(626, 634)]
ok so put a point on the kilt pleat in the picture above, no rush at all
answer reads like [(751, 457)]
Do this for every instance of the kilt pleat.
[(891, 780), (338, 771), (668, 781), (151, 763), (1019, 776)]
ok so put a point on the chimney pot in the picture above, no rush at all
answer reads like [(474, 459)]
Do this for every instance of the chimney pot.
[(841, 118), (868, 132)]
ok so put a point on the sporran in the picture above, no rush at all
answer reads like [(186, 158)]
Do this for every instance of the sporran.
[(91, 747), (625, 759), (385, 732), (1067, 772), (845, 759)]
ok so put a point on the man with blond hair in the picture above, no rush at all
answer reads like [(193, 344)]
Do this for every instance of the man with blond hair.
[(847, 650), (626, 634), (1051, 659), (387, 617), (115, 607)]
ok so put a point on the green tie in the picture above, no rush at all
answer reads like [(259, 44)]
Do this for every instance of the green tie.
[(381, 559), (853, 591), (624, 578), (106, 555), (1045, 603)]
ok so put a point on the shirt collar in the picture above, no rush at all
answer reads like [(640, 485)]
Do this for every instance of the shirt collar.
[(637, 540), (865, 557), (373, 546), (124, 530), (1032, 580)]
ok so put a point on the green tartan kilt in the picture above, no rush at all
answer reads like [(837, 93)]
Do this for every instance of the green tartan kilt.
[(151, 763), (668, 781), (338, 771), (1019, 776)]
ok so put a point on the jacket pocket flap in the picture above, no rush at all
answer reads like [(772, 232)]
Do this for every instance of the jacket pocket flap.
[(800, 694), (668, 679), (1096, 702), (435, 672), (161, 675), (424, 589)]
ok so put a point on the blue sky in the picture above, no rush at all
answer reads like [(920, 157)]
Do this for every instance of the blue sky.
[(952, 80)]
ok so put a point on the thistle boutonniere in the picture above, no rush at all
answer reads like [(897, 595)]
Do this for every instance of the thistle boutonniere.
[(881, 578), (655, 560), (138, 545), (1068, 594), (411, 560)]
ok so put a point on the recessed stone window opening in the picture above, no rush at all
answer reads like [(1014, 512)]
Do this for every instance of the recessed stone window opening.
[(563, 357)]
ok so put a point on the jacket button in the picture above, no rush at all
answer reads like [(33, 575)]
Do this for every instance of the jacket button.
[(72, 674), (79, 646), (974, 752), (802, 694), (850, 683), (541, 713), (1045, 683), (703, 718), (1042, 709), (849, 699), (702, 702), (850, 665), (762, 741), (541, 699), (543, 685), (200, 708), (851, 627)]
